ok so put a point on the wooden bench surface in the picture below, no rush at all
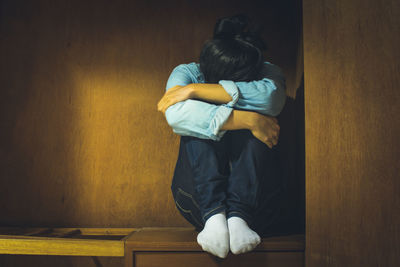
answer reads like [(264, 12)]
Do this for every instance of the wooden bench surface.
[(184, 239), (64, 241), (146, 246), (177, 247)]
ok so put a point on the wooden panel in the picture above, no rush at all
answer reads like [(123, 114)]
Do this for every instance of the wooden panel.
[(60, 231), (184, 239), (64, 241), (352, 96), (60, 246), (59, 261), (81, 141), (183, 249), (201, 259)]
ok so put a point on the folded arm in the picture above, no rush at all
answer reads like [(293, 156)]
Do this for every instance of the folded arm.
[(191, 109), (192, 117), (208, 92), (264, 128), (266, 96)]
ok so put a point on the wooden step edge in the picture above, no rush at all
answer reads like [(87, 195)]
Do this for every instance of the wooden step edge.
[(61, 230), (184, 239), (60, 246)]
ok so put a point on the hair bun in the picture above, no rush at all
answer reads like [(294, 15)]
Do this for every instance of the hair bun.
[(229, 27), (238, 27)]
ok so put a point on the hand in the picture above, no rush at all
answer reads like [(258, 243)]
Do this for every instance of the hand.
[(174, 95), (265, 128)]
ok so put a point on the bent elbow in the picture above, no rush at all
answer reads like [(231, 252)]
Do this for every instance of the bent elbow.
[(171, 117), (280, 103), (277, 109), (273, 104)]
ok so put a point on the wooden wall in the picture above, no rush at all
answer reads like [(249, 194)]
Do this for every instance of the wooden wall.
[(352, 96), (81, 141)]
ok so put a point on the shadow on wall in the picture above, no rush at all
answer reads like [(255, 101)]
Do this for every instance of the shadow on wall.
[(292, 152), (35, 123)]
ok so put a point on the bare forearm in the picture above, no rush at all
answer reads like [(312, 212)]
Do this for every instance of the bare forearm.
[(263, 127), (209, 92), (206, 92), (238, 120)]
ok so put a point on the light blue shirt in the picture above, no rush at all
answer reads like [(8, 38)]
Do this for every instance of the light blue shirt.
[(204, 120)]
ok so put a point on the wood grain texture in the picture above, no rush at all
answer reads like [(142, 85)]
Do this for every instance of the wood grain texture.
[(178, 247), (352, 96), (82, 143), (201, 259), (63, 231), (59, 261), (105, 242), (60, 246), (184, 239)]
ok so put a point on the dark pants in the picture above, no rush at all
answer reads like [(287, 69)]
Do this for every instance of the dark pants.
[(238, 174)]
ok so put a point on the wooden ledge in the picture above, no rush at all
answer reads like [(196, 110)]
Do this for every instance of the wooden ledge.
[(184, 239), (61, 247), (64, 241), (177, 247), (120, 242)]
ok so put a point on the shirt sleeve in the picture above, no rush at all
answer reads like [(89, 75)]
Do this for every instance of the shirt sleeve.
[(193, 117), (266, 96)]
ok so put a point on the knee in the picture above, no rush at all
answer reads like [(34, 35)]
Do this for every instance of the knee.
[(247, 141), (198, 145), (205, 155)]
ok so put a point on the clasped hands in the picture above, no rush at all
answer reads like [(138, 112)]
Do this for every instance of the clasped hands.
[(264, 128)]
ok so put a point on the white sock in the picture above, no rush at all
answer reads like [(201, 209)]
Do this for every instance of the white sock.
[(241, 238), (214, 238)]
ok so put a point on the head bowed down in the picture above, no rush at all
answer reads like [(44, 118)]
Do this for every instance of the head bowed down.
[(235, 51)]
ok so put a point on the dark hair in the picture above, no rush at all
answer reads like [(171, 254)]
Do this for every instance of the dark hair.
[(234, 53)]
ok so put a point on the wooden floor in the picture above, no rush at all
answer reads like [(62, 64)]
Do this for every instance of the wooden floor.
[(146, 247)]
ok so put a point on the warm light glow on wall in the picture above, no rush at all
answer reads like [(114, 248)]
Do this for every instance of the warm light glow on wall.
[(114, 118)]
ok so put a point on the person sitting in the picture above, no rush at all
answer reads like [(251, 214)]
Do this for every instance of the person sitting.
[(227, 180)]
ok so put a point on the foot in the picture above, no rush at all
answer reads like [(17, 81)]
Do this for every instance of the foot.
[(241, 238), (214, 238)]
